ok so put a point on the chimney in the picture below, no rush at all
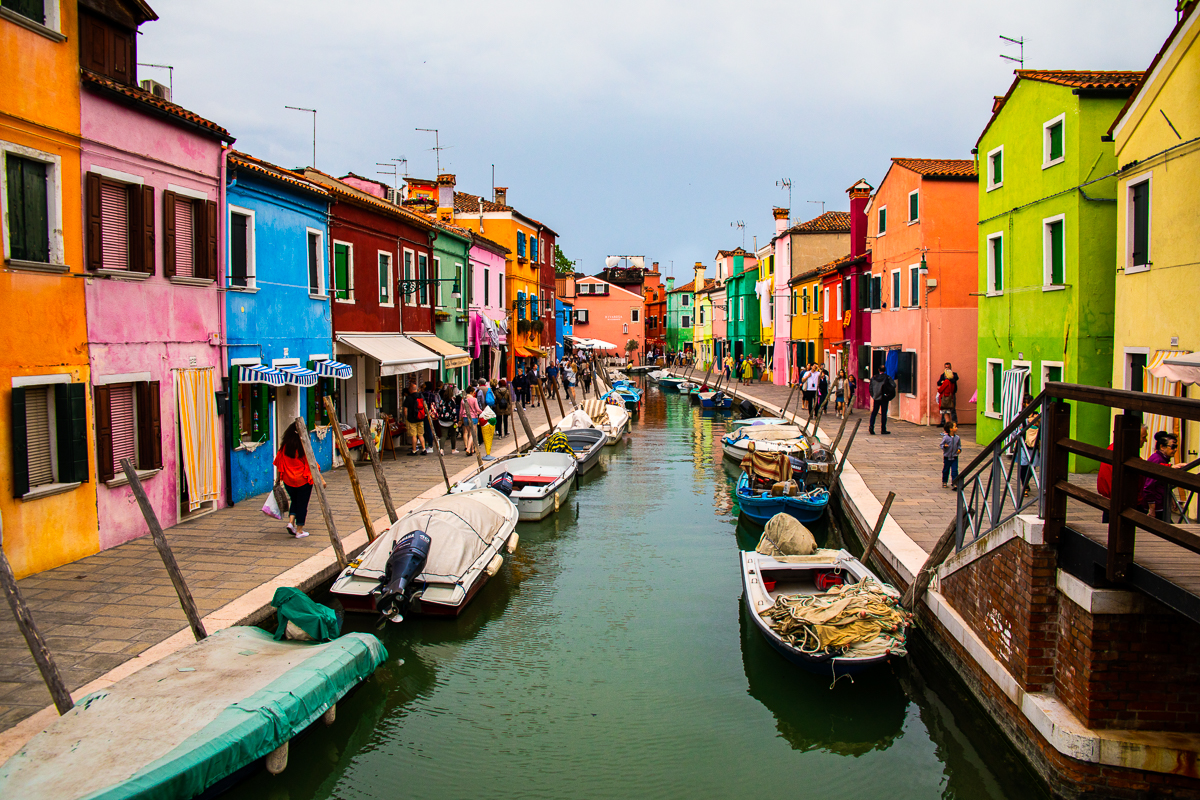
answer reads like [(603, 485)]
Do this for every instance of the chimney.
[(445, 198), (997, 101), (860, 195), (781, 219), (500, 195), (699, 270), (654, 267), (671, 283)]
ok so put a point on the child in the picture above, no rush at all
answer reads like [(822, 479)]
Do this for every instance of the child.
[(951, 447)]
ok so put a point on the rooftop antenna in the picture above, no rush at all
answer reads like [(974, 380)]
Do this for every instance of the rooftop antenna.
[(399, 161), (821, 202), (312, 111), (786, 183), (1020, 41), (170, 75), (437, 146), (395, 173), (742, 225)]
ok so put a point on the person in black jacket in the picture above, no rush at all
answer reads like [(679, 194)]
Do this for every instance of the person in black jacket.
[(883, 389)]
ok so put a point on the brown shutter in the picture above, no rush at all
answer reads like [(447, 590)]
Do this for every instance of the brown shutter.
[(142, 238), (122, 51), (210, 239), (93, 45), (154, 451), (104, 444), (93, 220), (199, 239), (169, 234), (145, 433)]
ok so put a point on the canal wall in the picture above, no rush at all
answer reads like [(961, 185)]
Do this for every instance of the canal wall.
[(1096, 687)]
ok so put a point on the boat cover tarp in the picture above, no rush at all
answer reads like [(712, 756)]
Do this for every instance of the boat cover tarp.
[(576, 419), (461, 526), (295, 607), (784, 535), (768, 433), (773, 466), (174, 728)]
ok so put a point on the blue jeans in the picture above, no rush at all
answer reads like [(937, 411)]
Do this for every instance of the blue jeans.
[(950, 468)]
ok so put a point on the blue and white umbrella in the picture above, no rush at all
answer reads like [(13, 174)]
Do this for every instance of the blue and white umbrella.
[(299, 376), (256, 373), (333, 369)]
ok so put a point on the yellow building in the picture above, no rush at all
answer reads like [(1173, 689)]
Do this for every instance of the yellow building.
[(702, 339), (47, 492), (807, 341), (766, 274), (1158, 227)]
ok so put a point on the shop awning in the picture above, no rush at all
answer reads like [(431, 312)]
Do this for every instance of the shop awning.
[(333, 369), (259, 374), (1176, 367), (396, 354), (299, 376), (528, 352), (455, 357)]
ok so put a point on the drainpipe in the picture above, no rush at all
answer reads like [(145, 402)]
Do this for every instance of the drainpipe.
[(222, 333)]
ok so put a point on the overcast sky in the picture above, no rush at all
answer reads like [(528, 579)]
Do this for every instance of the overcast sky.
[(638, 127)]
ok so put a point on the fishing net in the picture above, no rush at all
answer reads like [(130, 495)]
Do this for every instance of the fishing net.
[(557, 443), (784, 535), (859, 620)]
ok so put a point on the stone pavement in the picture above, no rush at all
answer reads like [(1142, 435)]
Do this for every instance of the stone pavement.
[(103, 610)]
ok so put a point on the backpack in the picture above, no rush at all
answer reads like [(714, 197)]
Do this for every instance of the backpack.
[(490, 398), (420, 408), (502, 402), (889, 388)]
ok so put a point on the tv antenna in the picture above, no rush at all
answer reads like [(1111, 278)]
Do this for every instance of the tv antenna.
[(821, 202), (394, 173), (170, 75), (786, 183), (1020, 42), (312, 111), (437, 146), (742, 226)]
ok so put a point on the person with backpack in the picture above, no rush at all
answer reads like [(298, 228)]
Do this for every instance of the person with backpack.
[(447, 415), (431, 414), (552, 379), (503, 408), (414, 419), (883, 389)]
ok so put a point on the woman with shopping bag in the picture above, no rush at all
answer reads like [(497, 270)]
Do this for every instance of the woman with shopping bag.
[(297, 479)]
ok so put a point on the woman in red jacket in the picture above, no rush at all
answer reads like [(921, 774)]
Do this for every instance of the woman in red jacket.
[(297, 479)]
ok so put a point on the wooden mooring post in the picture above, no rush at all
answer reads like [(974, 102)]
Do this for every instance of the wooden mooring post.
[(364, 431), (545, 405), (883, 512), (350, 470), (920, 582), (319, 491), (837, 475), (526, 426), (164, 550), (33, 638)]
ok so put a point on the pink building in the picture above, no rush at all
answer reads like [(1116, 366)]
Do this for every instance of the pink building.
[(609, 313), (487, 320), (154, 244)]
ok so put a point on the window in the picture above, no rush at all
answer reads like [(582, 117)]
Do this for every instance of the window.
[(1053, 251), (816, 295), (685, 321), (1052, 372), (838, 292), (634, 314), (408, 277), (241, 247), (906, 373), (914, 285), (882, 221), (252, 411), (520, 305), (437, 285), (500, 291), (995, 263), (1138, 227), (31, 204), (458, 301), (486, 286), (804, 300), (685, 300), (315, 412), (105, 48), (914, 206), (701, 315), (343, 271), (1052, 141), (189, 236), (826, 317), (995, 168), (742, 309), (537, 249), (423, 278), (119, 221), (1135, 370), (520, 244), (385, 279), (994, 376), (127, 426), (316, 267), (34, 10), (49, 429), (864, 291), (876, 292), (581, 316), (895, 289)]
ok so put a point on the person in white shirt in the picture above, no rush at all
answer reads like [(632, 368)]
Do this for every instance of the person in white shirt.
[(809, 381)]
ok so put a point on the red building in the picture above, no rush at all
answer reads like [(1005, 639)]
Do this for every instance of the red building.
[(655, 312), (547, 240)]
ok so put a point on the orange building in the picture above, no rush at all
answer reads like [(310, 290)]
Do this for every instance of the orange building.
[(609, 313), (47, 492)]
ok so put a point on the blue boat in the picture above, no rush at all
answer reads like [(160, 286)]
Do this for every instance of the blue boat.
[(629, 393), (714, 400), (761, 506)]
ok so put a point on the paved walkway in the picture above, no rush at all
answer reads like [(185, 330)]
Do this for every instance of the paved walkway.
[(103, 610)]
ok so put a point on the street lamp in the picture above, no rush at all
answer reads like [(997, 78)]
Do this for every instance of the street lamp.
[(408, 287)]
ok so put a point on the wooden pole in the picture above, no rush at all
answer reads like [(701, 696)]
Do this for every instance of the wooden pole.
[(558, 393), (837, 475), (528, 428), (364, 430), (545, 405), (838, 438), (887, 506), (368, 525), (512, 423), (791, 392), (319, 491), (920, 583), (37, 645), (164, 550)]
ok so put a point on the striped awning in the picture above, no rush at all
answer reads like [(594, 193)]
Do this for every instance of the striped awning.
[(333, 369), (299, 376), (259, 374)]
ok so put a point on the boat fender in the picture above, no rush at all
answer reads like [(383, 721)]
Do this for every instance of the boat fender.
[(827, 579), (494, 565), (277, 759), (511, 545)]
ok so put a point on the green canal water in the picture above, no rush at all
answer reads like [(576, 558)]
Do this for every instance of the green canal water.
[(612, 658)]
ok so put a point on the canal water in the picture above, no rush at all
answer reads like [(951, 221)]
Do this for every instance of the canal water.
[(612, 658)]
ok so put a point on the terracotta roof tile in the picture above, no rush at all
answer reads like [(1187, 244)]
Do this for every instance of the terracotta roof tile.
[(687, 287), (344, 191), (140, 95), (737, 251), (247, 161), (469, 204), (829, 222), (1083, 79), (939, 167)]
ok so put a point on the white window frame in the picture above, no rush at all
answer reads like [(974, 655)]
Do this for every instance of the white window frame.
[(741, 309), (881, 210), (349, 273), (321, 293), (816, 297), (897, 289), (701, 315), (911, 220), (838, 292), (251, 255), (1126, 368), (991, 156), (391, 277), (1045, 376), (1061, 119), (1147, 178), (54, 211), (1047, 262), (436, 274), (51, 28), (825, 307), (458, 277), (803, 299), (992, 389), (633, 315), (989, 289), (409, 268), (685, 321)]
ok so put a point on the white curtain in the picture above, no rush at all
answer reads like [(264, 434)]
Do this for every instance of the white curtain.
[(1164, 387), (199, 433)]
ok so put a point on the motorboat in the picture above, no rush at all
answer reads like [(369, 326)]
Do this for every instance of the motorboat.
[(756, 421), (586, 441), (540, 481), (612, 418), (670, 383), (785, 438), (761, 504), (630, 394), (717, 399), (823, 610), (464, 534), (689, 387), (657, 375)]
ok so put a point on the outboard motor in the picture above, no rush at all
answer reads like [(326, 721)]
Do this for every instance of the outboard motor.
[(405, 563), (718, 398), (503, 484), (747, 408)]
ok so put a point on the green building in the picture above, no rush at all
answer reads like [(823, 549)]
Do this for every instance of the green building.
[(451, 265), (681, 308), (742, 328), (1047, 243)]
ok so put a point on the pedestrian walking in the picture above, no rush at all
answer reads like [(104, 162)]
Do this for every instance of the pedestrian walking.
[(431, 402), (504, 403), (535, 378), (951, 448), (448, 410), (747, 372), (414, 420), (1027, 456), (552, 379), (947, 392), (297, 480), (568, 379), (822, 388), (840, 387), (469, 414), (883, 389), (809, 383)]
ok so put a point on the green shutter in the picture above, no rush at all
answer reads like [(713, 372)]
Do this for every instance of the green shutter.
[(70, 413), (1057, 254), (883, 220), (1056, 141), (260, 401), (913, 206), (1053, 374), (20, 448), (998, 168), (341, 272), (235, 404), (998, 263), (28, 209), (997, 377)]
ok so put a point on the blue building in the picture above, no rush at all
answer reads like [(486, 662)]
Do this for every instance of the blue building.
[(565, 326), (278, 321)]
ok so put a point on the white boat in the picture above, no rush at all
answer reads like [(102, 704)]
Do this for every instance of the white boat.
[(772, 438), (657, 375), (754, 421), (586, 440), (612, 418), (541, 482), (467, 533)]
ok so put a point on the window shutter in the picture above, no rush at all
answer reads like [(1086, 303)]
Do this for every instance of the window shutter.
[(913, 206), (1057, 254), (169, 234), (122, 56), (94, 45), (153, 447), (93, 221), (1056, 142), (864, 362), (998, 263), (142, 245), (235, 404), (209, 243), (121, 403), (70, 411), (20, 448), (1141, 224), (310, 409), (998, 168), (104, 443)]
